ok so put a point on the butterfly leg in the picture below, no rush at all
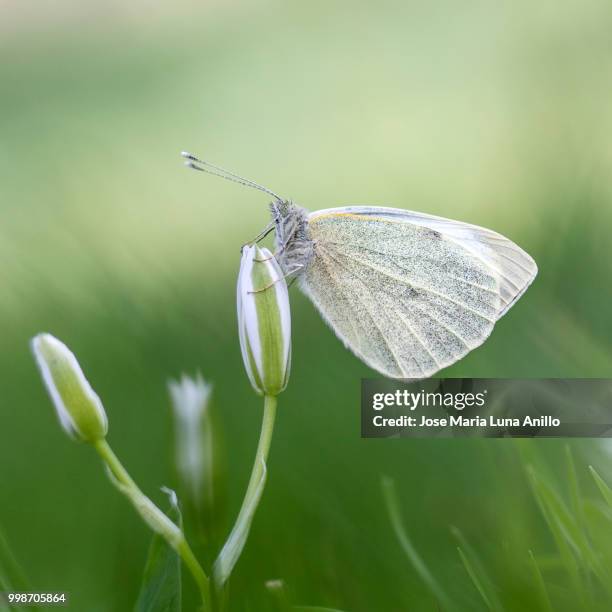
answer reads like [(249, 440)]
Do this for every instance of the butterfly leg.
[(260, 236), (273, 255), (284, 277)]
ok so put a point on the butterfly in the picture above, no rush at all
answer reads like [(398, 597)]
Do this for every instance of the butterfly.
[(407, 292)]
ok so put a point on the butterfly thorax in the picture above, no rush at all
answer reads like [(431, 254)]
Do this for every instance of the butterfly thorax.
[(294, 247)]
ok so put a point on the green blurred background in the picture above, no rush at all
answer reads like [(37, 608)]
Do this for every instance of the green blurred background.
[(497, 114)]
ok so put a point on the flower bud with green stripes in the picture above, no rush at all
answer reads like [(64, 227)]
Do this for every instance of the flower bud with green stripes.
[(78, 407), (264, 321)]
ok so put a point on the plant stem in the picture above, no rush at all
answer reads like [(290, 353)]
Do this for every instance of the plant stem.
[(192, 564), (263, 448), (235, 541), (133, 491), (113, 463)]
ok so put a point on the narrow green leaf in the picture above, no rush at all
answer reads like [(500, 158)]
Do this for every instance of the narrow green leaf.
[(474, 577), (476, 570), (575, 492), (602, 486), (571, 525), (232, 549), (540, 585), (12, 577), (11, 574), (576, 551), (559, 535), (161, 583), (392, 503)]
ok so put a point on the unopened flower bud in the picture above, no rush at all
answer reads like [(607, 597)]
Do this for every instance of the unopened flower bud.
[(264, 321), (199, 454), (190, 401), (78, 407)]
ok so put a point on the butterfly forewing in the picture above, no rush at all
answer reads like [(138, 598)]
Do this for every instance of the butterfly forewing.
[(514, 267), (410, 294)]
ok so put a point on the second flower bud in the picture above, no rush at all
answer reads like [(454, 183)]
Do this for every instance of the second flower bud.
[(264, 320)]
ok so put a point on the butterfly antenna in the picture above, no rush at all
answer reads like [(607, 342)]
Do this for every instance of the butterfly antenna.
[(203, 166)]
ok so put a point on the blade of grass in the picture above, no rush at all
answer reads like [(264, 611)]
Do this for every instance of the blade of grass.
[(571, 540), (540, 584), (574, 486), (10, 570), (602, 486), (476, 570), (393, 508), (586, 555), (567, 548), (12, 576), (473, 576), (599, 517), (607, 495), (577, 503)]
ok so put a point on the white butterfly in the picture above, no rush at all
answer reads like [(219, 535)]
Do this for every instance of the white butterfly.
[(406, 292)]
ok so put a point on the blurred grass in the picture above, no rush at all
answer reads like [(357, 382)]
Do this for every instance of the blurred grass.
[(575, 577), (495, 114)]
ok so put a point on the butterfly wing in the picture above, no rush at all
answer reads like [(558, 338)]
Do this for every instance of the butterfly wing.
[(410, 293)]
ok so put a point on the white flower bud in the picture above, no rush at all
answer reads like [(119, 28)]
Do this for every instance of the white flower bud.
[(264, 321), (78, 407), (193, 431), (199, 456)]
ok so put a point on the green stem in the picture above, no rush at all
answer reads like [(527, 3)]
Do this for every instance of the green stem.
[(261, 456), (182, 547), (235, 541), (192, 564), (113, 463)]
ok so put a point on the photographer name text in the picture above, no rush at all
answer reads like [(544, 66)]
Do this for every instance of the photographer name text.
[(461, 421)]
